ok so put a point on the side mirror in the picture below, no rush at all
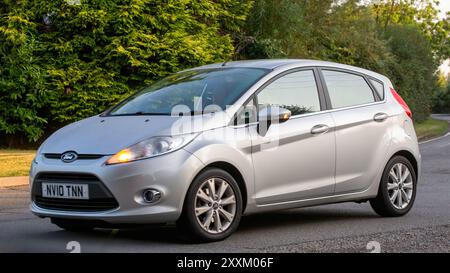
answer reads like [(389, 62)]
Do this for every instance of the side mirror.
[(269, 115)]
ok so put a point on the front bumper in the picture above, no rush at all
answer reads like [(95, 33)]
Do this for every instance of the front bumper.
[(171, 174)]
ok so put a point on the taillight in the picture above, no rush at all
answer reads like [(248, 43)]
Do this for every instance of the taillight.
[(400, 100)]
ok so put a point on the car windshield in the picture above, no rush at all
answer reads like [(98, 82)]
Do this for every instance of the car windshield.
[(193, 92)]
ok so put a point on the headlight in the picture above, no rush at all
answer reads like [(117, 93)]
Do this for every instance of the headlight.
[(151, 147)]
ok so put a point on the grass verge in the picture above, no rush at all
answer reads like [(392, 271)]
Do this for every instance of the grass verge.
[(431, 128), (15, 162)]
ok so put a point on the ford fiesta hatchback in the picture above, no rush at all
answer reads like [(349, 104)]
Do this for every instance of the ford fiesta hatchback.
[(207, 145)]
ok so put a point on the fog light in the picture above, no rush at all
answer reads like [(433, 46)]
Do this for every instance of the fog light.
[(151, 196)]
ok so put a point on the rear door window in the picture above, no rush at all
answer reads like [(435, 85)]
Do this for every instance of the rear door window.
[(346, 89)]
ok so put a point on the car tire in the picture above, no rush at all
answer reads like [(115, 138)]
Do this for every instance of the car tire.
[(398, 176), (205, 219), (72, 225)]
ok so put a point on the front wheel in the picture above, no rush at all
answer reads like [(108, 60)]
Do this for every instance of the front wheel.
[(213, 207), (397, 190)]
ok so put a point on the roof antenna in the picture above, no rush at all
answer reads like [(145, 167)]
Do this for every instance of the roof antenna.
[(225, 63)]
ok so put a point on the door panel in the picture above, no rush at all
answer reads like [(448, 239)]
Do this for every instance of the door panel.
[(362, 135), (294, 160), (291, 163), (361, 146)]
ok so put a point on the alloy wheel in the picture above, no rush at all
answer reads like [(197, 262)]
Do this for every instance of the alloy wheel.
[(400, 186), (215, 205)]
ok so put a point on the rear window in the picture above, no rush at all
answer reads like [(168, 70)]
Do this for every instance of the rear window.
[(346, 89)]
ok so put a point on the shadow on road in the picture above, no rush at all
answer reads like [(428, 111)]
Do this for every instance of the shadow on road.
[(259, 222), (307, 216)]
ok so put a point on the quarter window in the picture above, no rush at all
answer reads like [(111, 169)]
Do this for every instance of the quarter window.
[(296, 92), (379, 87), (347, 89), (247, 114)]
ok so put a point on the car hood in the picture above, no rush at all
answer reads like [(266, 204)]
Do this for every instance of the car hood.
[(108, 135)]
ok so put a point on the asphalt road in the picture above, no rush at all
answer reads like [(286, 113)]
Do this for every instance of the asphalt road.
[(348, 227)]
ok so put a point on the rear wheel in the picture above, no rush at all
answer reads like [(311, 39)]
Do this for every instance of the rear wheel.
[(397, 191), (73, 225), (213, 207)]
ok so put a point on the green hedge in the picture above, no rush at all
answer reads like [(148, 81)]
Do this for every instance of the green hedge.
[(62, 61)]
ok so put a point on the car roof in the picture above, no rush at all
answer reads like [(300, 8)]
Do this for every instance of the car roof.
[(264, 64), (275, 64)]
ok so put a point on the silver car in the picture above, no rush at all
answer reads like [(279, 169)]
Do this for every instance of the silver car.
[(205, 146)]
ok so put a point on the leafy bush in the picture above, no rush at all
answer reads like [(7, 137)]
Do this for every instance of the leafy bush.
[(441, 100), (404, 40), (63, 61), (23, 92), (414, 69)]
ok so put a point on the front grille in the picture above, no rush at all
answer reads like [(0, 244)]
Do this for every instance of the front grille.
[(76, 205), (80, 156), (100, 198)]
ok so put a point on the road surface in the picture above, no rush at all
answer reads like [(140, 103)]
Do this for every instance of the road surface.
[(348, 227)]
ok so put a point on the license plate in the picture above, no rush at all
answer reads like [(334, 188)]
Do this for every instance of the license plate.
[(66, 191)]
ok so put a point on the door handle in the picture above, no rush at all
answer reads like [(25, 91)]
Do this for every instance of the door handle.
[(319, 129), (380, 117)]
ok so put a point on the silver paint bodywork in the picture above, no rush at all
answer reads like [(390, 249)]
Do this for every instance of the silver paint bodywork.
[(343, 164)]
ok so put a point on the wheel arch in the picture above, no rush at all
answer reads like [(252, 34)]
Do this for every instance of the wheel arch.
[(412, 159), (233, 171)]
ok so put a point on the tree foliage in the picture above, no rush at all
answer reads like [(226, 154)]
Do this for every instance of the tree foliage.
[(63, 61), (421, 13), (315, 29), (414, 68), (23, 94), (403, 39), (420, 40), (441, 98)]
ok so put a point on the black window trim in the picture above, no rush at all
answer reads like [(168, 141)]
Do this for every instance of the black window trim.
[(370, 79), (324, 98), (342, 70)]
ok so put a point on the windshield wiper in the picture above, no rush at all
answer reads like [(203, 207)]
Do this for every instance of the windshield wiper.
[(140, 113)]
